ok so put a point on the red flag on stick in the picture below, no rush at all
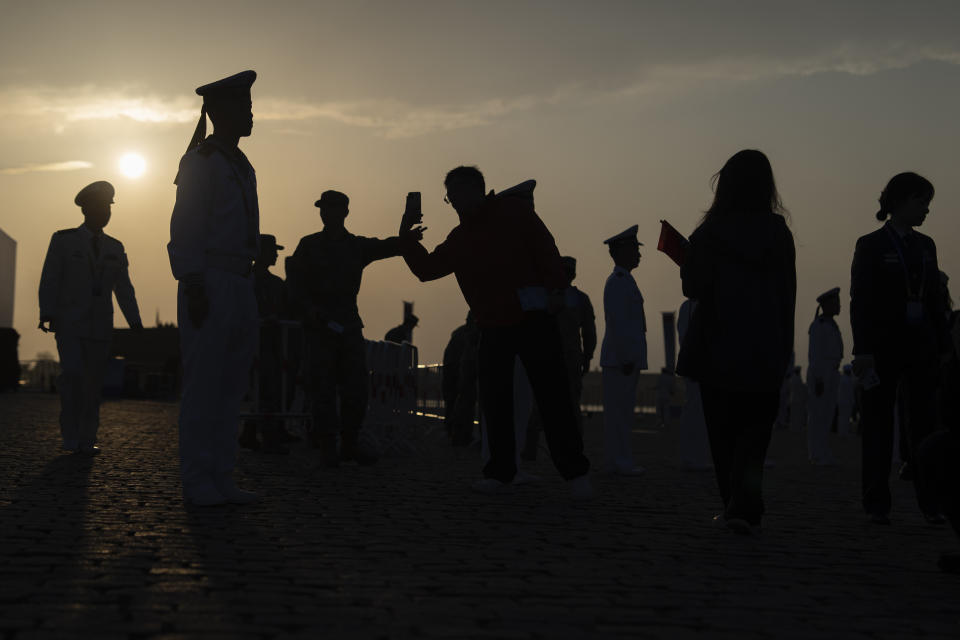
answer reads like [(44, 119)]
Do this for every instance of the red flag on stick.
[(672, 243)]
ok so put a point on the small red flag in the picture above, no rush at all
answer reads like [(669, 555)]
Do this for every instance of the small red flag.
[(672, 243)]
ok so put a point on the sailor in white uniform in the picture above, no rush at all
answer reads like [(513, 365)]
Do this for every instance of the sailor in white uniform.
[(214, 237), (83, 269), (825, 354), (623, 353)]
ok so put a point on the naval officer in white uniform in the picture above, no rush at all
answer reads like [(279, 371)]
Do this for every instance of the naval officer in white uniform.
[(823, 376), (214, 238), (623, 353), (83, 269)]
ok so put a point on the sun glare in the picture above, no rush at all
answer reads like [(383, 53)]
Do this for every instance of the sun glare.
[(132, 165)]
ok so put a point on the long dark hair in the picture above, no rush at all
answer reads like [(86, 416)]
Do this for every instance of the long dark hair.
[(745, 185), (901, 188)]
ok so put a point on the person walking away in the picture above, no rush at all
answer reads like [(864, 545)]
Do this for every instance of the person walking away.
[(740, 265)]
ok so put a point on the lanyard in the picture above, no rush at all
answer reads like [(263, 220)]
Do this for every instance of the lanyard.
[(898, 245)]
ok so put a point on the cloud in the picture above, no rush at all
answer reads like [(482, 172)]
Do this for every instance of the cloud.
[(392, 118), (69, 165)]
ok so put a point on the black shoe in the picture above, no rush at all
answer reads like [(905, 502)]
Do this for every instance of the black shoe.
[(934, 518), (878, 518), (950, 563), (358, 454)]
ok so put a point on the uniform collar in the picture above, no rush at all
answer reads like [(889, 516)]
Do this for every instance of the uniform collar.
[(87, 233), (618, 269)]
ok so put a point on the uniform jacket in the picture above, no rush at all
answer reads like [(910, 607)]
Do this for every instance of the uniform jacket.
[(878, 297), (325, 272), (496, 252), (216, 218), (825, 349), (625, 337), (741, 269), (76, 287)]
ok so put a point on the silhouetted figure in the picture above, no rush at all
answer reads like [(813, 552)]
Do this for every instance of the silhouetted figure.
[(939, 452), (83, 269), (214, 238), (740, 268), (694, 447), (899, 330), (825, 352), (403, 332), (459, 383), (9, 359), (798, 400), (623, 353), (578, 332), (324, 276), (846, 400), (271, 293), (510, 273)]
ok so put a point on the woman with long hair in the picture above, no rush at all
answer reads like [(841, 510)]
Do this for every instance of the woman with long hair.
[(899, 329), (740, 267)]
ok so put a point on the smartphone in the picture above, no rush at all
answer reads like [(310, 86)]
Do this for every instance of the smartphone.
[(413, 204)]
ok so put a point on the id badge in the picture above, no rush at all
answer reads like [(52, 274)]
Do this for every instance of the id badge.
[(914, 312)]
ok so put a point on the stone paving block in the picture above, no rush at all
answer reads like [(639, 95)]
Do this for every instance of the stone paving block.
[(404, 549)]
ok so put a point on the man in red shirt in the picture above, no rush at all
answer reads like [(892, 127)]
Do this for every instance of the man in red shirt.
[(509, 270)]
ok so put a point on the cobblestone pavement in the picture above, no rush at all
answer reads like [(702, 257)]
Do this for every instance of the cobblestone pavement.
[(104, 547)]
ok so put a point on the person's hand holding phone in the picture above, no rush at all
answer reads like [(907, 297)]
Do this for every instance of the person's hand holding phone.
[(412, 215)]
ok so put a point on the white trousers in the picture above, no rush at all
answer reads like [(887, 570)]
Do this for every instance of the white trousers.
[(216, 374), (694, 443), (619, 400), (82, 365), (820, 413)]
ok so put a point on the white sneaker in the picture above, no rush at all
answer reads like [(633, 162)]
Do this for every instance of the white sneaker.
[(581, 489), (232, 493), (523, 477), (489, 486), (204, 496)]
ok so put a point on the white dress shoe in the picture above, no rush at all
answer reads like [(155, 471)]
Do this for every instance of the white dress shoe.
[(233, 493), (523, 477)]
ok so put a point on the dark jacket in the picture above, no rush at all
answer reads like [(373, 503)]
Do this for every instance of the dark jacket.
[(878, 298), (497, 251), (742, 271)]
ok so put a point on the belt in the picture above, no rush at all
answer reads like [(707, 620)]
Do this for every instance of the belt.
[(240, 265)]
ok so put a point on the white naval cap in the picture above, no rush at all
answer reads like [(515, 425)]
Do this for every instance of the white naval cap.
[(624, 236), (835, 292)]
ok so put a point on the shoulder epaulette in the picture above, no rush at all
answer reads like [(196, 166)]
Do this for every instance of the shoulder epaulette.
[(64, 231)]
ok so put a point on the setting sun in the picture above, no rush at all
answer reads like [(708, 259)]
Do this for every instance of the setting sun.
[(132, 165)]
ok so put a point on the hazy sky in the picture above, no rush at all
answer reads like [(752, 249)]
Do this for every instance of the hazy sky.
[(621, 110)]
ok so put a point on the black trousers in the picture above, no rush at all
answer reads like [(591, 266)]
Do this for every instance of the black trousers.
[(739, 425), (536, 341), (939, 456), (916, 385)]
